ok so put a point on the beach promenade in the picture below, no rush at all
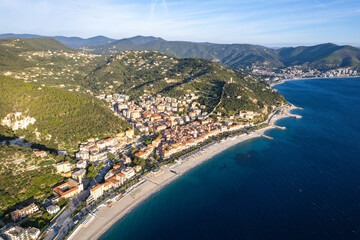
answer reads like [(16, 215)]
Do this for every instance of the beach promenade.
[(105, 216)]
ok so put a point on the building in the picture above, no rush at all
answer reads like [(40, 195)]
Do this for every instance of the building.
[(137, 168), (98, 156), (82, 155), (130, 133), (128, 172), (68, 189), (63, 167), (52, 209), (16, 233), (107, 186), (79, 175), (33, 233), (19, 214), (40, 153), (81, 164), (121, 178), (97, 191)]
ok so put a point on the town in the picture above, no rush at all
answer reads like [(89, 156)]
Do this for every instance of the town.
[(162, 127), (299, 72)]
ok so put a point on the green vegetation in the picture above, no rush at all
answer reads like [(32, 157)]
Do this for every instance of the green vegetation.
[(61, 118), (148, 141), (25, 186), (38, 221), (92, 171), (110, 155), (241, 56)]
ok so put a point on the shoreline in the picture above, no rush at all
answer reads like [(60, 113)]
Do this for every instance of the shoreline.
[(281, 81), (106, 217)]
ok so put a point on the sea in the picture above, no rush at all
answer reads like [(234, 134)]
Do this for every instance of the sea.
[(304, 184)]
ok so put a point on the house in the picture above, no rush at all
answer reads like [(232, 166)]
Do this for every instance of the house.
[(63, 167), (19, 214), (53, 209), (40, 153)]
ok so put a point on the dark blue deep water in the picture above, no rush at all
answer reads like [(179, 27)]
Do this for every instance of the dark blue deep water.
[(304, 184)]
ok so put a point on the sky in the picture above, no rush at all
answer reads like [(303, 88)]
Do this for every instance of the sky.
[(265, 22)]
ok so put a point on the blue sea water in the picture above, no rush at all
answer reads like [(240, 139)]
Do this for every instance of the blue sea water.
[(304, 184)]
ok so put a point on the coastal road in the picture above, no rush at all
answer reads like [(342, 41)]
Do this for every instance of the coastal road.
[(64, 223)]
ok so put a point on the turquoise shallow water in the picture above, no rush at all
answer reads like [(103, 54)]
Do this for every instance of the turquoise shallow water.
[(304, 184)]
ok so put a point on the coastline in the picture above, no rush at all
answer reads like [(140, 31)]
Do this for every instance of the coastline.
[(105, 217), (281, 81)]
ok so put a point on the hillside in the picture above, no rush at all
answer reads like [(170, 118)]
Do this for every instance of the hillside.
[(12, 48), (23, 177), (139, 73), (52, 117), (240, 56), (72, 42), (236, 56), (142, 73)]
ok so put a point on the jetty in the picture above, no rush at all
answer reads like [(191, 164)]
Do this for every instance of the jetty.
[(294, 116), (280, 127), (267, 137)]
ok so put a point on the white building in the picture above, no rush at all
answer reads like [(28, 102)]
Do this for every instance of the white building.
[(53, 209), (128, 172)]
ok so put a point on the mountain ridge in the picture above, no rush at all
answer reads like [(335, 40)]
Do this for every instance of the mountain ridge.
[(238, 56)]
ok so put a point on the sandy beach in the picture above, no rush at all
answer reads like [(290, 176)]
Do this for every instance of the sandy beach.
[(104, 217)]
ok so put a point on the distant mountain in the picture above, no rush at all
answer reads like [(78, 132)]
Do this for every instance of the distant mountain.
[(237, 56), (13, 35), (323, 56), (138, 40), (73, 42), (241, 56), (76, 42)]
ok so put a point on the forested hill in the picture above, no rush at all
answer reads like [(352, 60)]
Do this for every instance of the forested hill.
[(12, 48), (53, 117), (141, 73), (73, 42), (241, 56), (238, 56)]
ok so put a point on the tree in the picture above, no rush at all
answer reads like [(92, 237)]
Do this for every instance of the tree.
[(134, 150), (148, 141), (91, 168), (110, 155)]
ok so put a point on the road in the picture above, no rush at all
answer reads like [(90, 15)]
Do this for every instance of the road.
[(63, 222)]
